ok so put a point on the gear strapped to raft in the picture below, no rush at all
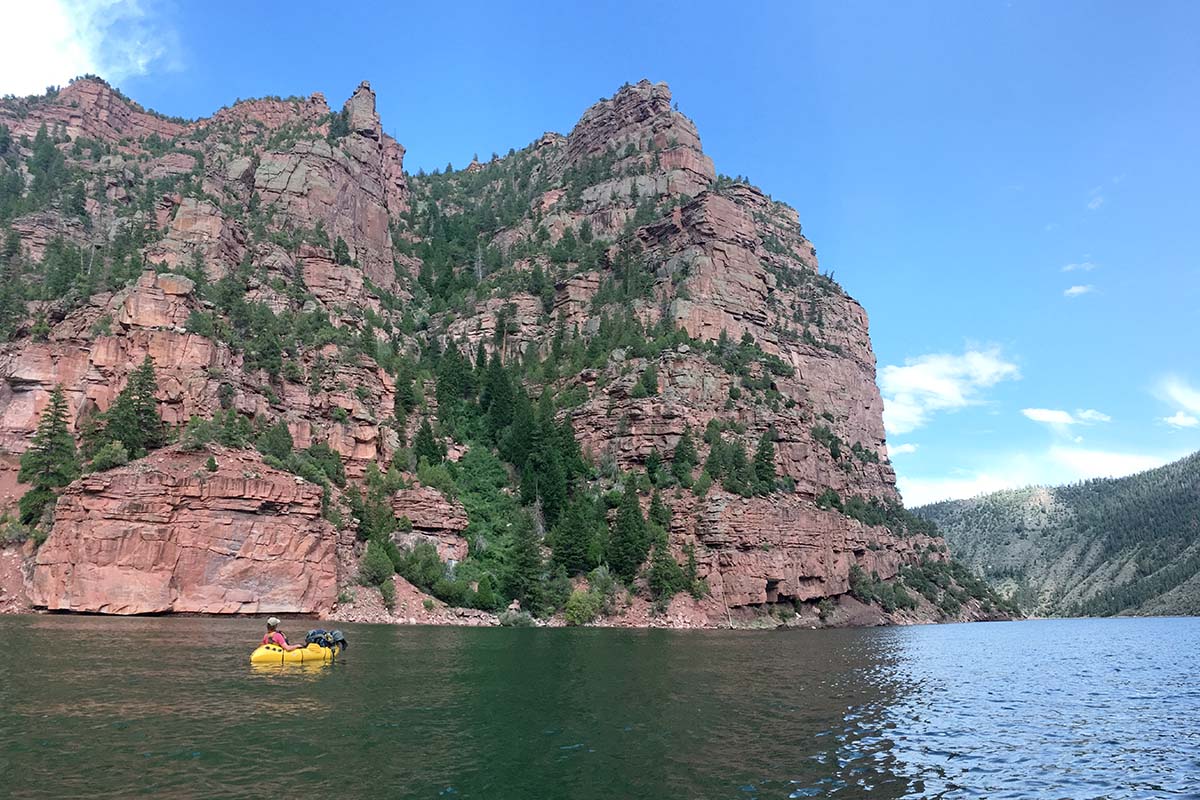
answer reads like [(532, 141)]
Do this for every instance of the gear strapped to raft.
[(330, 639)]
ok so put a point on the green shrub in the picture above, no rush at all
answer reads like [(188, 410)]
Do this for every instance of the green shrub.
[(582, 607), (420, 565), (211, 464), (485, 597), (438, 477), (829, 499), (15, 533), (516, 619), (33, 503), (375, 567), (109, 456), (387, 590), (862, 587), (825, 608)]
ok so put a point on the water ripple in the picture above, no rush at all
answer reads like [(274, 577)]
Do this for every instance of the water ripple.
[(1087, 708)]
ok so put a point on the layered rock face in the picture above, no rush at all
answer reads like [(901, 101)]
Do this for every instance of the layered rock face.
[(93, 109), (93, 350), (350, 189), (757, 552), (164, 534), (284, 209), (435, 519)]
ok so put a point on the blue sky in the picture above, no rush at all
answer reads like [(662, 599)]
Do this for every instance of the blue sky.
[(1010, 188)]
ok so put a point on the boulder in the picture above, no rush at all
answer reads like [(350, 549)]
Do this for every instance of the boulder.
[(164, 534)]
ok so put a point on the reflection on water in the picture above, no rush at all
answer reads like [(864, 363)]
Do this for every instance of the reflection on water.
[(286, 671), (172, 707)]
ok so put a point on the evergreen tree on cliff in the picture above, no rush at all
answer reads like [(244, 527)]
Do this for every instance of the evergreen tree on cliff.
[(629, 545), (133, 419), (426, 446), (764, 463), (524, 565), (545, 462), (576, 538), (50, 462), (684, 457)]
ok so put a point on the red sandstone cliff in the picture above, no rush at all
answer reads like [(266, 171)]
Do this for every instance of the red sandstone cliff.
[(165, 534), (257, 180)]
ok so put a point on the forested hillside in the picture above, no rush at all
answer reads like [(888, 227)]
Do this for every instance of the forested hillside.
[(586, 369), (1101, 547)]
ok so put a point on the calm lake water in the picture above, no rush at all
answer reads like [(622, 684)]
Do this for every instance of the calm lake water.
[(170, 707)]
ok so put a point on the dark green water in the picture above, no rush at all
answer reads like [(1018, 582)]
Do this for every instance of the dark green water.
[(102, 707)]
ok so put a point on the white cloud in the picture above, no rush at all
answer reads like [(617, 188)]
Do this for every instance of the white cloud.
[(1095, 202), (1058, 465), (902, 449), (1179, 392), (938, 382), (1050, 416), (48, 42), (1184, 397), (1083, 266), (1075, 291), (1059, 418)]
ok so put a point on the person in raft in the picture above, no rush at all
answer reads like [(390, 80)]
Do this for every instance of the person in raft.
[(273, 636)]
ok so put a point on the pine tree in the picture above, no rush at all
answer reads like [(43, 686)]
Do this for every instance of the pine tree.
[(519, 439), (629, 543), (684, 458), (545, 462), (500, 397), (50, 462), (133, 419), (653, 464), (574, 537), (406, 393), (524, 564), (452, 383), (341, 251), (739, 472), (659, 514), (764, 463), (718, 458), (666, 578), (275, 441), (485, 594), (572, 454), (426, 446)]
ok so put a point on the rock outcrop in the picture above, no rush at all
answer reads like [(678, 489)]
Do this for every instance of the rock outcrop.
[(435, 518), (91, 108), (349, 186), (768, 550), (166, 535)]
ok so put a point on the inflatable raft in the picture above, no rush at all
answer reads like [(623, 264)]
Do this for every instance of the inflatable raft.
[(320, 646), (274, 654)]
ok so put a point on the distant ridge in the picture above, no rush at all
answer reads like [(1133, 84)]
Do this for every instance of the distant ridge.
[(1127, 546)]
